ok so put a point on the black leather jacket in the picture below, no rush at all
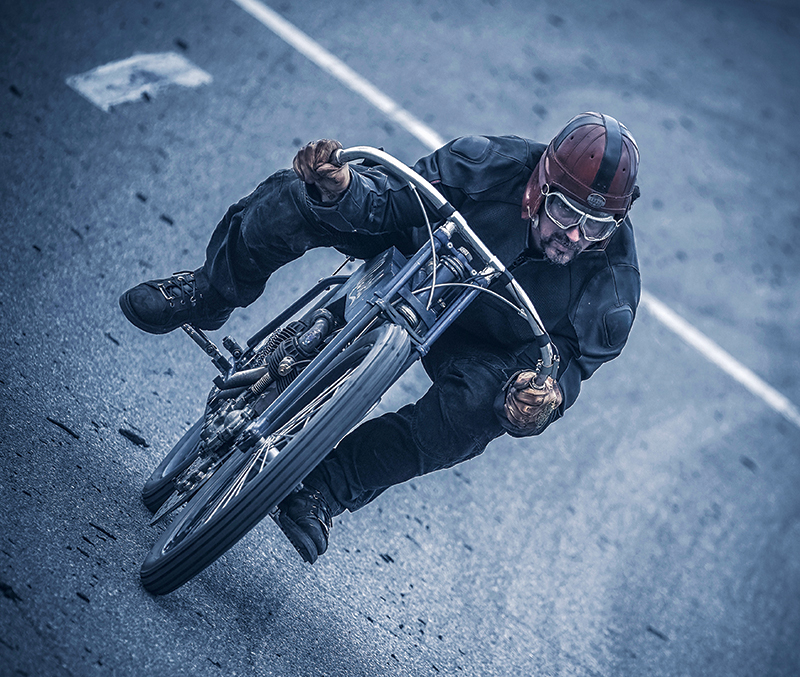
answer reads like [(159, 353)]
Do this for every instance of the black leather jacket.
[(587, 306)]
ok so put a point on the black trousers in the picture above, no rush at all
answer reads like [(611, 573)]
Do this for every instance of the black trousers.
[(452, 422)]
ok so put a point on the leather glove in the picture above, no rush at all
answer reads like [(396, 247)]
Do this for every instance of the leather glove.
[(312, 164), (527, 405)]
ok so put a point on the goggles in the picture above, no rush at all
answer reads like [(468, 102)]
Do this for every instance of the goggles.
[(566, 215)]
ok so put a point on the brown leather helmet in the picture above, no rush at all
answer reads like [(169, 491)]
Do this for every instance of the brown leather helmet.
[(593, 160)]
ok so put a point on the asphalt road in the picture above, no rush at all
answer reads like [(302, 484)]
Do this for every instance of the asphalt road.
[(655, 530)]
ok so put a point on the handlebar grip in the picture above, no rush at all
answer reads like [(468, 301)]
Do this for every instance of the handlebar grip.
[(336, 158), (446, 210), (539, 380)]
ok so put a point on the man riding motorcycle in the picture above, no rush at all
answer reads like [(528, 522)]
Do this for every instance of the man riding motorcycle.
[(555, 215)]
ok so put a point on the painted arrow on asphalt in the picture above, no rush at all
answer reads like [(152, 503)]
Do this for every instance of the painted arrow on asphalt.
[(136, 78)]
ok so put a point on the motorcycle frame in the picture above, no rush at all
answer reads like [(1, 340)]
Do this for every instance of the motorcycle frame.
[(380, 301)]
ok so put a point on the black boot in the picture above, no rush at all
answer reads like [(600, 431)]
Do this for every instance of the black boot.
[(159, 306), (306, 519)]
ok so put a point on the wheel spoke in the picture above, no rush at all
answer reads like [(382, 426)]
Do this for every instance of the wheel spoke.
[(276, 441), (246, 487)]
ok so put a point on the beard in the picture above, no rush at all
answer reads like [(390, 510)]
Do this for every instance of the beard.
[(560, 250)]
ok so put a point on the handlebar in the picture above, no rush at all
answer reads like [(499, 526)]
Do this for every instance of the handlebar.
[(454, 221), (400, 170)]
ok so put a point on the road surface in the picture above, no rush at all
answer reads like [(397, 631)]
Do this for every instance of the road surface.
[(653, 531)]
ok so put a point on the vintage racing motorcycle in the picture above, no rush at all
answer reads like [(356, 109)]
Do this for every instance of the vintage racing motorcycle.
[(301, 383)]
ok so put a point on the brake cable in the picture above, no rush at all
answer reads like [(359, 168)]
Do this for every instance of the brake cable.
[(433, 245), (518, 310)]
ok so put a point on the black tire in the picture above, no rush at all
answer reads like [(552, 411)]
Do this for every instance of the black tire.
[(241, 494), (158, 487)]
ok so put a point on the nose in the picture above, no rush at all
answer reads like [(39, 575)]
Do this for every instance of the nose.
[(574, 233)]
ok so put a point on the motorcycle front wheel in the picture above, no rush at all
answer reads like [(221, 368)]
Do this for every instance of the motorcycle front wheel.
[(249, 485), (159, 486)]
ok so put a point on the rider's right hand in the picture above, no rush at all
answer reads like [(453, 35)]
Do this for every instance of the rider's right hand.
[(312, 164)]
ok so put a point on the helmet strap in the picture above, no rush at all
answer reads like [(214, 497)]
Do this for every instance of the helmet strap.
[(534, 218)]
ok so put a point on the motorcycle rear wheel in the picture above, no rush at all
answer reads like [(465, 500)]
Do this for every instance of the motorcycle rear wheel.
[(249, 485)]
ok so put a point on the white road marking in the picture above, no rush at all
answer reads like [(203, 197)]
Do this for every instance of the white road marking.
[(129, 79), (331, 64), (341, 71), (723, 359)]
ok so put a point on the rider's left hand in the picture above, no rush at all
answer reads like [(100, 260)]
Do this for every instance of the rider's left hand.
[(312, 164), (528, 406)]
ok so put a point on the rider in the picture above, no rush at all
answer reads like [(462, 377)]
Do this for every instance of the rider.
[(555, 215)]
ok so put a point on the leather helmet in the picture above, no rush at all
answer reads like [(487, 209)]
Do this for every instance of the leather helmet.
[(593, 160)]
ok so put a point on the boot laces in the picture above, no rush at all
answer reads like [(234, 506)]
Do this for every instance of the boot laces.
[(181, 285), (320, 510), (314, 505)]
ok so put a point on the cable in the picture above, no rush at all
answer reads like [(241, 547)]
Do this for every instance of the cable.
[(433, 244), (475, 286)]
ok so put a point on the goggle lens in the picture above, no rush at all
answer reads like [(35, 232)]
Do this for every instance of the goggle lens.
[(565, 215)]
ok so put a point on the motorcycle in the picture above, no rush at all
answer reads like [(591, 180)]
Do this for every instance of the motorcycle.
[(283, 401)]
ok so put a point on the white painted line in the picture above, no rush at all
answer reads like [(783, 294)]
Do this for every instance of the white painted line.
[(329, 63), (129, 79), (724, 360), (341, 71)]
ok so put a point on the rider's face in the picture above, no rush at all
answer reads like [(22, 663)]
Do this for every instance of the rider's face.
[(558, 245)]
